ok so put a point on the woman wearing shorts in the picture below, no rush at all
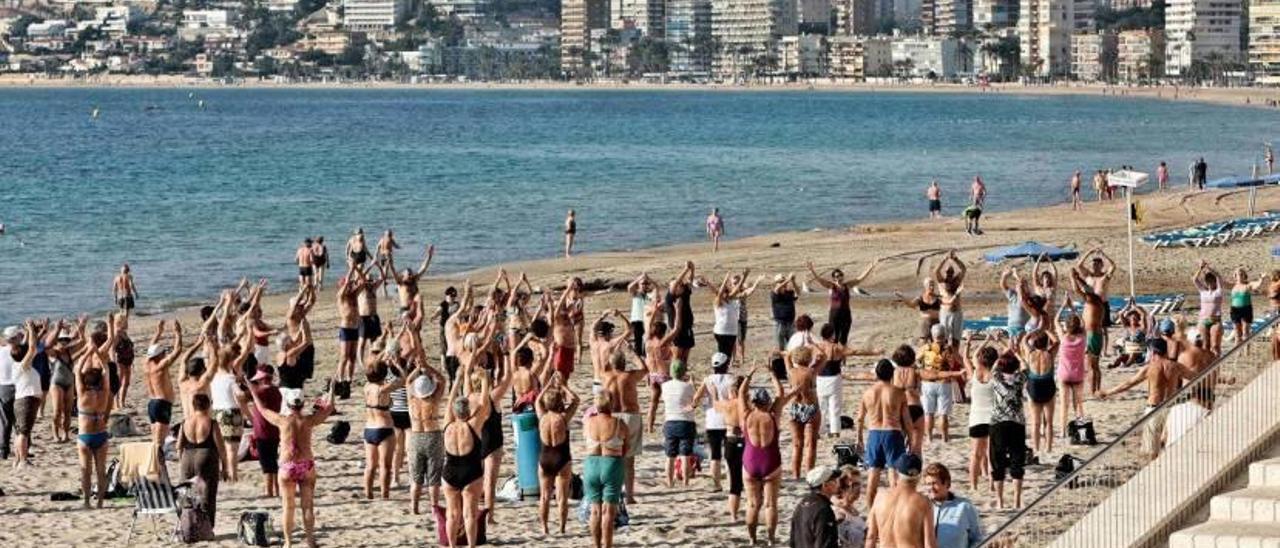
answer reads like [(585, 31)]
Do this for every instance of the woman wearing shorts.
[(678, 428), (602, 471), (717, 386), (981, 399), (1071, 366)]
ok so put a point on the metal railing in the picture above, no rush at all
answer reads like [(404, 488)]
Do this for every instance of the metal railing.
[(1069, 500)]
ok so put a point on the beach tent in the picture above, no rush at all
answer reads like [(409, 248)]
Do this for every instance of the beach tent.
[(1129, 180), (1031, 250)]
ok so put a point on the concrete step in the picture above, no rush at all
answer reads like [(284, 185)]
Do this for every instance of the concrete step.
[(1227, 534), (1265, 473), (1253, 504)]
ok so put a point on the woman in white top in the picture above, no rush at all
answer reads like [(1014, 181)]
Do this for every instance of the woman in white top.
[(728, 311), (803, 335), (717, 386), (26, 387), (679, 429), (981, 400), (641, 290), (230, 401)]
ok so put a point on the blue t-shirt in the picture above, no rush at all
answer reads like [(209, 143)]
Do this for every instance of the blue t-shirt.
[(1018, 316)]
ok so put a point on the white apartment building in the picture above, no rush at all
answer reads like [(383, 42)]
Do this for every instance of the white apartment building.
[(688, 22), (1121, 5), (647, 16), (373, 15), (994, 14), (1264, 40), (48, 29), (209, 19), (855, 17), (1044, 30), (282, 5), (577, 18), (1194, 29), (1140, 54), (464, 9), (114, 20), (747, 28), (936, 55), (803, 55), (1093, 55), (952, 16), (858, 57)]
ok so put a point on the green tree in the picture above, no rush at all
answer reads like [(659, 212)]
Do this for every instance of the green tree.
[(224, 65), (18, 28), (351, 56), (648, 55)]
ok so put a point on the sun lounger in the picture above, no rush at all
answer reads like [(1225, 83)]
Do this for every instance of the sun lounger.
[(154, 497)]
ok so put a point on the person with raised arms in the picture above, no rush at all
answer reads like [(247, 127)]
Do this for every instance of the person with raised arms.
[(761, 457), (840, 315), (556, 406), (297, 461)]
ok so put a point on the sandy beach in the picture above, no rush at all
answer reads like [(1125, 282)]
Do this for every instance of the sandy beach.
[(675, 517), (1254, 97)]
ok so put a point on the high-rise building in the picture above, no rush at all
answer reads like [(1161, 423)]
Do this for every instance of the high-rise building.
[(688, 30), (373, 15), (1195, 29), (813, 16), (859, 57), (1082, 12), (929, 56), (577, 18), (953, 16), (746, 29), (855, 17), (1121, 5), (1264, 40), (1093, 56), (929, 16), (1140, 54), (463, 9), (995, 14), (1044, 30), (647, 16)]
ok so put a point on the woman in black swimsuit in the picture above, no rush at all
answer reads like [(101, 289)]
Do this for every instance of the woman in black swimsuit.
[(202, 459), (570, 230), (491, 428), (929, 305), (464, 463), (556, 407)]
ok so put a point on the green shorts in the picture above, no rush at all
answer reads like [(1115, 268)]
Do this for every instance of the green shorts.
[(1093, 344), (602, 479)]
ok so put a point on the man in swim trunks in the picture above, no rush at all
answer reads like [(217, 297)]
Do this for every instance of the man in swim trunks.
[(349, 289), (563, 336), (1095, 328), (934, 194), (319, 260), (882, 413), (570, 232), (367, 306), (306, 263), (622, 384), (1163, 378), (426, 437), (1098, 275), (123, 289), (159, 385), (407, 281), (903, 517)]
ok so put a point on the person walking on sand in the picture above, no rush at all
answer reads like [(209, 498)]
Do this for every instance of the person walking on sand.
[(715, 228), (903, 517), (934, 195), (123, 289), (1076, 202), (1162, 176), (306, 263), (319, 260), (570, 231), (357, 250)]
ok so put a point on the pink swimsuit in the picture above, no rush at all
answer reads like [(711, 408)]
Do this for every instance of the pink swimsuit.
[(758, 462), (1071, 359)]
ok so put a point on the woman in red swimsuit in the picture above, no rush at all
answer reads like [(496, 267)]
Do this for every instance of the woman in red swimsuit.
[(761, 458)]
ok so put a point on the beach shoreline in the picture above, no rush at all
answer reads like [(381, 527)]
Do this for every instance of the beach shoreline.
[(1245, 97)]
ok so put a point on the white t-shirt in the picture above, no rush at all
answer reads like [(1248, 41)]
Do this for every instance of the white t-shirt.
[(722, 386), (727, 318), (7, 365), (26, 383), (222, 391), (676, 396), (1182, 418), (799, 339), (638, 305)]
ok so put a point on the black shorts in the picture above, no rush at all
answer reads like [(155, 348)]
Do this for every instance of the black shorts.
[(400, 419), (726, 344), (160, 411), (305, 271), (370, 327), (1242, 314), (679, 437), (715, 443), (268, 455), (684, 340), (125, 302), (348, 334), (916, 411), (979, 431), (733, 448), (935, 205)]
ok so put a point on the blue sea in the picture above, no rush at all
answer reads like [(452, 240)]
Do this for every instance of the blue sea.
[(196, 198)]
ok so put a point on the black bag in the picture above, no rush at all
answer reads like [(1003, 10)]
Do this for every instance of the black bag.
[(575, 487), (340, 389), (193, 519), (1080, 432), (338, 432), (846, 454), (115, 488), (1065, 467), (255, 529)]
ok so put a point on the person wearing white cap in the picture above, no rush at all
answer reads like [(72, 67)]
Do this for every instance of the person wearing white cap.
[(159, 385), (717, 386), (727, 312), (425, 439), (903, 516), (27, 393), (813, 525), (12, 338)]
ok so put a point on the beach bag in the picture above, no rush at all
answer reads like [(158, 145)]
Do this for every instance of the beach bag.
[(115, 488), (248, 450), (442, 535), (193, 519), (121, 426), (621, 519), (846, 454), (510, 491), (255, 529), (338, 432), (575, 487), (697, 465), (1080, 432)]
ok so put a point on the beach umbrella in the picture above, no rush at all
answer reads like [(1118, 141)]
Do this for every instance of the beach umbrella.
[(1031, 250), (1129, 180)]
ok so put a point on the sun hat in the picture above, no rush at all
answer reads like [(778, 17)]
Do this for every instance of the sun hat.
[(12, 332), (820, 475), (156, 350), (719, 359), (423, 386), (908, 465)]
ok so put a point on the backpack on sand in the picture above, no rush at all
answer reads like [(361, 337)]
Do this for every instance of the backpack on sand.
[(338, 432), (255, 529)]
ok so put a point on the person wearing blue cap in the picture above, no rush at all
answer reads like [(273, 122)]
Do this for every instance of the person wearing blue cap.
[(903, 517)]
